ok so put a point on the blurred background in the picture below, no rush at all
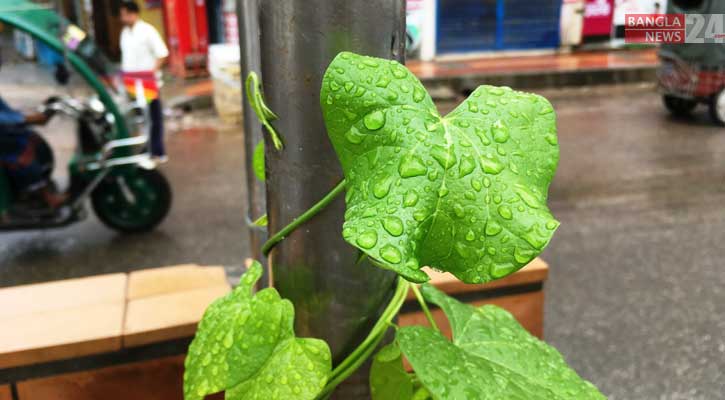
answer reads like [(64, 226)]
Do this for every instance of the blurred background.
[(634, 293)]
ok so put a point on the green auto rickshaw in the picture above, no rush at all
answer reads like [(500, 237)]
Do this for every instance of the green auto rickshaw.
[(110, 166), (694, 73)]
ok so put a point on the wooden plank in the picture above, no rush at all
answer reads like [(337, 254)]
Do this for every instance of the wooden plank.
[(157, 281), (60, 334), (528, 308), (167, 316), (535, 272), (44, 297), (148, 380), (5, 393)]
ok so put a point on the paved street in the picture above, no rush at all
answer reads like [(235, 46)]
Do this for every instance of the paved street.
[(636, 295)]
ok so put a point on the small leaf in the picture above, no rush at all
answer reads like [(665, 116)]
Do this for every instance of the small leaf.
[(491, 357), (388, 378), (258, 161), (465, 193), (242, 340)]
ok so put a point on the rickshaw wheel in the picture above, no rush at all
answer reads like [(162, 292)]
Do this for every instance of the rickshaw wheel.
[(678, 106), (717, 107), (151, 201)]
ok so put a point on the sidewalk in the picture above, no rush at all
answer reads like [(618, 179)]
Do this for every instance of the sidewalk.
[(540, 71), (461, 75)]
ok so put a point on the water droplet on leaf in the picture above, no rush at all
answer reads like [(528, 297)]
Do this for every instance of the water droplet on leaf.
[(375, 120), (367, 240), (390, 254)]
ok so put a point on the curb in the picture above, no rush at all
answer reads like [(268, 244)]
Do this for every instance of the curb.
[(465, 84)]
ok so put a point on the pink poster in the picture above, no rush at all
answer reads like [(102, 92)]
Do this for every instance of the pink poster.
[(598, 16)]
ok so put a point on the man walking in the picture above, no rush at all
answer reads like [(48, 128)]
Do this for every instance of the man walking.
[(144, 51)]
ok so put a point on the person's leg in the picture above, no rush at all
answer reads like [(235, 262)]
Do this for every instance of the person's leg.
[(156, 114)]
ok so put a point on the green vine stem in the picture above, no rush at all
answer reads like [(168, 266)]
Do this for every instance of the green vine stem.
[(352, 362), (311, 212), (265, 115), (424, 306)]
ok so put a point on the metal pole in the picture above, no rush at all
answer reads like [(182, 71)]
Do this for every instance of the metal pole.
[(248, 20), (335, 298)]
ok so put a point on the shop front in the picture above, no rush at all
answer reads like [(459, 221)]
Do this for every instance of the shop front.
[(496, 25)]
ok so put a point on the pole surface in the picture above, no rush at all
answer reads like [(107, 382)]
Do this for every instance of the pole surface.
[(335, 299), (248, 20)]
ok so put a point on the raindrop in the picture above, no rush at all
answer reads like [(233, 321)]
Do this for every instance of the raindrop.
[(393, 225), (443, 191), (420, 215), (500, 131), (349, 86), (391, 254), (551, 225), (459, 211), (470, 236), (375, 120), (371, 63), (527, 197), (383, 82), (491, 166), (431, 126), (418, 94), (354, 136), (551, 138), (472, 106), (466, 166), (493, 228), (476, 184), (360, 91), (411, 166), (445, 157), (367, 240), (411, 199), (523, 256), (334, 86), (381, 188), (501, 270)]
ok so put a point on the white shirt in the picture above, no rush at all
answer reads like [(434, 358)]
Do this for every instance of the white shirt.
[(141, 48)]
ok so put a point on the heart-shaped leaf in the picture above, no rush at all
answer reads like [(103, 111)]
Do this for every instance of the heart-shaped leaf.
[(465, 193), (246, 345), (491, 357), (388, 378)]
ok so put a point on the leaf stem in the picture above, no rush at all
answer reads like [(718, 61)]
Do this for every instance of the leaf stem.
[(352, 362), (424, 306), (311, 212)]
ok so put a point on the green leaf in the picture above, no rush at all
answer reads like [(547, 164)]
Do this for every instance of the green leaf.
[(491, 357), (388, 378), (258, 161), (465, 193), (245, 342)]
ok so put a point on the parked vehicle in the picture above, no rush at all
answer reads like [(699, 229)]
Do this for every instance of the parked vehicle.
[(694, 73), (110, 166)]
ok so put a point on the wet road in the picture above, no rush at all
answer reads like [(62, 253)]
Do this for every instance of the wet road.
[(636, 295)]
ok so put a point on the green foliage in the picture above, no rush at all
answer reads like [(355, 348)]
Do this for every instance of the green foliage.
[(246, 345), (258, 161), (465, 193), (388, 378), (491, 357)]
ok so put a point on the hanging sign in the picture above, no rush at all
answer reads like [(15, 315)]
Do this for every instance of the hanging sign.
[(598, 15)]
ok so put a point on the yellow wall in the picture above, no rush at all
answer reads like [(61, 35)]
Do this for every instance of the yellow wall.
[(153, 16)]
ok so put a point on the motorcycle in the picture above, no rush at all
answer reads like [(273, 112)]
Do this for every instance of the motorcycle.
[(110, 167)]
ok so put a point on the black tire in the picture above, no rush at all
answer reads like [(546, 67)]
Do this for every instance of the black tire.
[(151, 191), (678, 106), (717, 108)]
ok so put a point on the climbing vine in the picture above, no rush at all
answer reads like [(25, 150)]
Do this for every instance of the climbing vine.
[(463, 193)]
